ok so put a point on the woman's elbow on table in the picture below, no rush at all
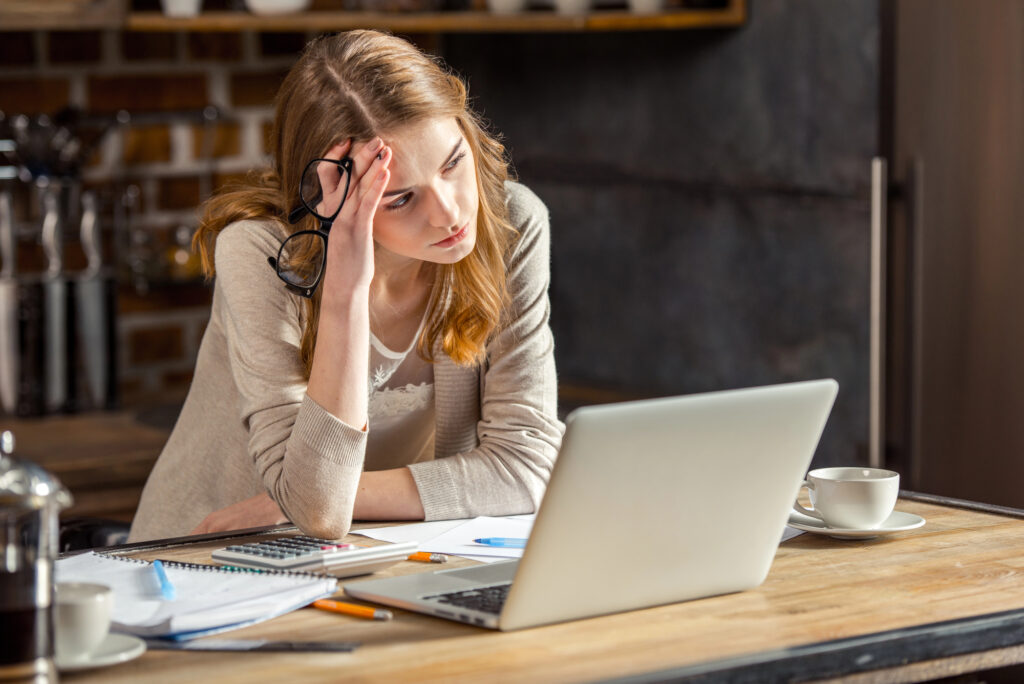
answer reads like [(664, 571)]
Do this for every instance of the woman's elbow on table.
[(330, 517), (324, 526)]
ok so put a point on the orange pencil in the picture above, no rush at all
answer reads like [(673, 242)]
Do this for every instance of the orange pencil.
[(427, 557), (353, 609)]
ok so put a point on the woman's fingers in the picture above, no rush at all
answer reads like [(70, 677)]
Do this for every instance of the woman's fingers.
[(372, 196), (327, 187), (330, 178), (367, 183), (364, 156), (339, 150)]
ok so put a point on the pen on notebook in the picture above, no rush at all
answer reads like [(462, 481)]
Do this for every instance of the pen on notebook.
[(504, 542), (427, 557), (166, 588), (353, 609)]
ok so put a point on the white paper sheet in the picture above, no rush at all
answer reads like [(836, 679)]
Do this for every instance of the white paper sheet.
[(417, 532), (449, 537), (458, 541)]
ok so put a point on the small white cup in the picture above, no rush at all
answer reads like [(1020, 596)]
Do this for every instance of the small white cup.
[(181, 8), (851, 498), (83, 618)]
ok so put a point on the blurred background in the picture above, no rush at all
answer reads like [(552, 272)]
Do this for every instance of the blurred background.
[(741, 192)]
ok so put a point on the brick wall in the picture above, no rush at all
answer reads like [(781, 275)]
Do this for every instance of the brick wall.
[(162, 164)]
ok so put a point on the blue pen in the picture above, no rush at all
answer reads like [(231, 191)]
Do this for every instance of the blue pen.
[(505, 542), (166, 588)]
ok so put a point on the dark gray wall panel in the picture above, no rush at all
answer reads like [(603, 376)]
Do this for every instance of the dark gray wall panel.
[(709, 196)]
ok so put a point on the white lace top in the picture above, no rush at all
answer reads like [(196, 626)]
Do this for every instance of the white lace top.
[(401, 407)]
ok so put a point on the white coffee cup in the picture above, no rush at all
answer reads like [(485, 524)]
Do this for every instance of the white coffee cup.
[(851, 498), (83, 618)]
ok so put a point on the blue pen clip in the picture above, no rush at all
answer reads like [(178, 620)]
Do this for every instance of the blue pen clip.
[(166, 588), (503, 542)]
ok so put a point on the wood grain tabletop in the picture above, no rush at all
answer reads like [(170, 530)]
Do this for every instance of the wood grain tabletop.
[(821, 593)]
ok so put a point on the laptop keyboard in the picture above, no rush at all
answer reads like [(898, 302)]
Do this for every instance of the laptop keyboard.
[(485, 599)]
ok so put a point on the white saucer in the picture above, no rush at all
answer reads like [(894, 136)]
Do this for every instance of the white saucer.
[(897, 522), (116, 648)]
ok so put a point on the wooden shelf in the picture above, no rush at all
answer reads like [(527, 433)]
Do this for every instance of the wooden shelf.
[(26, 15), (444, 22)]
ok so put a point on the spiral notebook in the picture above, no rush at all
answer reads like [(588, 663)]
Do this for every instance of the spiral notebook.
[(209, 599)]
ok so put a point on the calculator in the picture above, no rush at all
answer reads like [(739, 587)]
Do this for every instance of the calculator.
[(309, 554)]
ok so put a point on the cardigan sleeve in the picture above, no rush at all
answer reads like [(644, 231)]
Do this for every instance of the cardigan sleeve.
[(309, 460), (518, 432)]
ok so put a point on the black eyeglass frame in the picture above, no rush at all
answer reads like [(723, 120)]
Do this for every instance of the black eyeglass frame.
[(298, 213)]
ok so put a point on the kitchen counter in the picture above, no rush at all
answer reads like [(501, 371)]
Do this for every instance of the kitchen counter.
[(103, 458)]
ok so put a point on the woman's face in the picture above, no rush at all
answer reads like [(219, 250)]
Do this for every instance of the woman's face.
[(429, 208)]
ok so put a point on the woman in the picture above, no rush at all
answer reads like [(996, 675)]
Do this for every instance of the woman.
[(413, 377)]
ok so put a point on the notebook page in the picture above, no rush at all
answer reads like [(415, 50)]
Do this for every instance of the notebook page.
[(208, 598)]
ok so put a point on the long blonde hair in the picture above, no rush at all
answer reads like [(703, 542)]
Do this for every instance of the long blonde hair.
[(358, 85)]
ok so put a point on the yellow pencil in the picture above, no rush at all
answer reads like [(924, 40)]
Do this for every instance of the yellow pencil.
[(352, 609), (427, 557)]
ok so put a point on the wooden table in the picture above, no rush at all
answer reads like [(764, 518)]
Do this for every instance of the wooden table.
[(944, 599)]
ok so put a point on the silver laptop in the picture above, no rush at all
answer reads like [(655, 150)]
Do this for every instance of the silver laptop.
[(650, 502)]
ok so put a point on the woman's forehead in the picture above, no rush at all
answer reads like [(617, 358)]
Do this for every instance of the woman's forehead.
[(423, 147)]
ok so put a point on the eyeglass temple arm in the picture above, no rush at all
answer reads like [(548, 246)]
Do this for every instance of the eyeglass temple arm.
[(297, 213)]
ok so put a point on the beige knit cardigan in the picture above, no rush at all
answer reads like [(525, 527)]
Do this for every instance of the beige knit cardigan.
[(248, 426)]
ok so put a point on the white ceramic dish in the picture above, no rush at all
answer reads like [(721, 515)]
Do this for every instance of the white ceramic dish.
[(116, 648), (506, 6), (276, 6), (897, 522)]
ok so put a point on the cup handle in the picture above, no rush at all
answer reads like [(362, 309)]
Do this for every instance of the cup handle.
[(806, 511)]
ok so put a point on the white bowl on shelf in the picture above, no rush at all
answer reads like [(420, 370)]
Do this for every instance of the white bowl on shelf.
[(276, 6), (181, 8), (572, 6), (506, 6), (645, 6)]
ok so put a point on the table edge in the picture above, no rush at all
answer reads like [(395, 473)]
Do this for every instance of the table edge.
[(854, 655), (867, 652)]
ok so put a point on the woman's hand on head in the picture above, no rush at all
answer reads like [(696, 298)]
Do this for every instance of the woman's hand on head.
[(331, 181), (350, 246), (257, 511)]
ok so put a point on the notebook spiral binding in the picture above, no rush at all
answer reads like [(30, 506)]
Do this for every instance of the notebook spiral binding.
[(215, 568)]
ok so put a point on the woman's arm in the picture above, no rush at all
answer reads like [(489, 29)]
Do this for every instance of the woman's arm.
[(306, 439), (337, 379), (382, 495)]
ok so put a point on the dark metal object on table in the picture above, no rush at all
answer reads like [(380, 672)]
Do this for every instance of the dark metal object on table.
[(263, 645)]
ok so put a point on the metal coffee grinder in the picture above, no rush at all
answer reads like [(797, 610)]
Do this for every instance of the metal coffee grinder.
[(30, 501)]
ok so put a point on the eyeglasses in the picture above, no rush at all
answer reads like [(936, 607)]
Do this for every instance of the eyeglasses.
[(302, 258)]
